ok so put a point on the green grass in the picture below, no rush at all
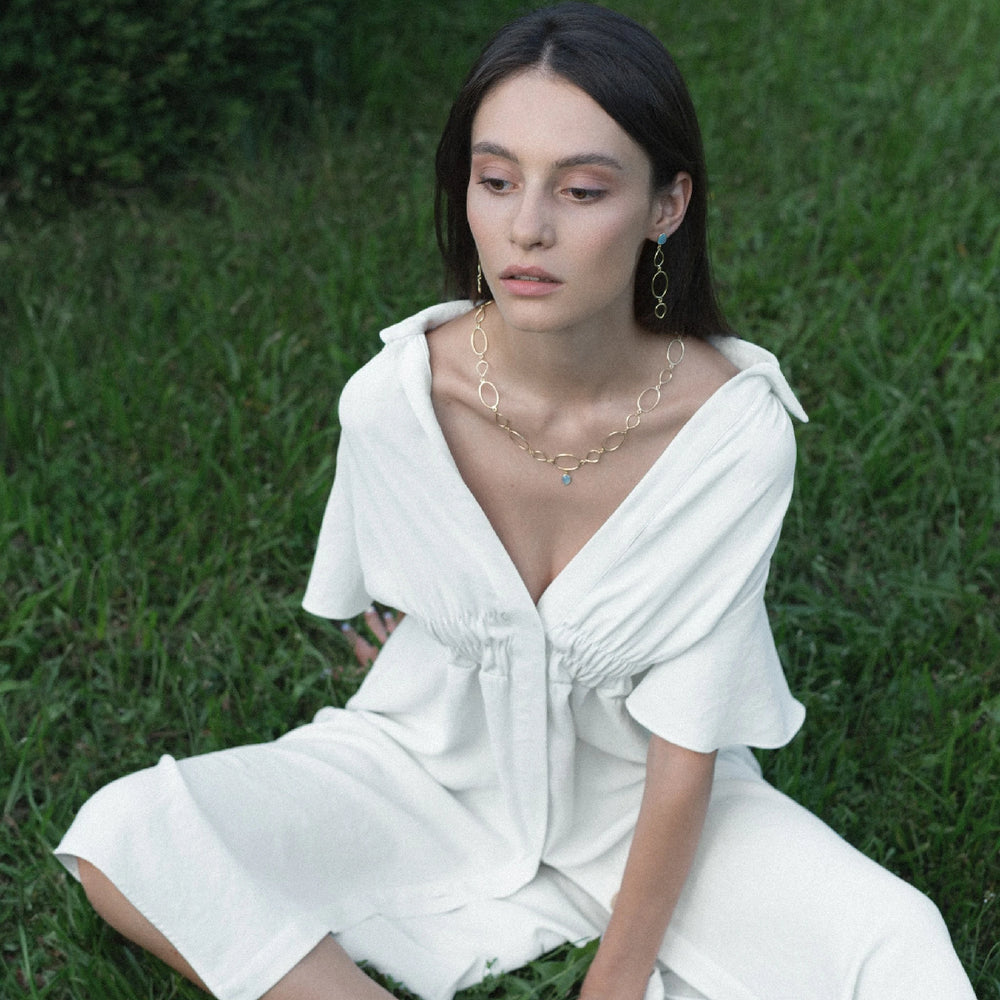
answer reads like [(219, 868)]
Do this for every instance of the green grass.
[(169, 371)]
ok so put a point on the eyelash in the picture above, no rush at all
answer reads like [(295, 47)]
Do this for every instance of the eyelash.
[(495, 184), (499, 186)]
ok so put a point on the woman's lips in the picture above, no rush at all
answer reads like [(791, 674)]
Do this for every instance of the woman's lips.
[(528, 281)]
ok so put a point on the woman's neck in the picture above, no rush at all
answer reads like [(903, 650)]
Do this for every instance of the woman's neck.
[(581, 365)]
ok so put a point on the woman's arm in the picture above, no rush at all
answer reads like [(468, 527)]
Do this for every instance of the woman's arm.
[(674, 801)]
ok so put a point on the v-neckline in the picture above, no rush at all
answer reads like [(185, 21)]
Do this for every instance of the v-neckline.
[(750, 360), (422, 402)]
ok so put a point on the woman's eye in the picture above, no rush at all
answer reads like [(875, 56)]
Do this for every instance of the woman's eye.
[(584, 194), (497, 184)]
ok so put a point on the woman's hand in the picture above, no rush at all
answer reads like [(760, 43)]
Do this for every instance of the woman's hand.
[(380, 625)]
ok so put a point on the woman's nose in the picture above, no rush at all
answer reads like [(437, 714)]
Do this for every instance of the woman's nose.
[(532, 224)]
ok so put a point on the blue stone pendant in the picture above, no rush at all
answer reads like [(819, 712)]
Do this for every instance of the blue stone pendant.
[(566, 478)]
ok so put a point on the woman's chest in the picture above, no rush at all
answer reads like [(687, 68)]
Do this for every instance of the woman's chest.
[(541, 520)]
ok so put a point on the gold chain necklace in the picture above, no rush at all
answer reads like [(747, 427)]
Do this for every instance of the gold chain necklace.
[(489, 396)]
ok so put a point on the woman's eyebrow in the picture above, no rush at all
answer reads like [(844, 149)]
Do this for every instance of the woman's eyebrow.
[(487, 148)]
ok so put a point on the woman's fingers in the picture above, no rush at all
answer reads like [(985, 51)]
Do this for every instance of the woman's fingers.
[(364, 651), (375, 622), (380, 624)]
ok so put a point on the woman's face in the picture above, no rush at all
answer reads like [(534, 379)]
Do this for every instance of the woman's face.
[(560, 202)]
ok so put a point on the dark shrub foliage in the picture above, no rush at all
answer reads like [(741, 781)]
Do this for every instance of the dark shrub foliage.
[(125, 91)]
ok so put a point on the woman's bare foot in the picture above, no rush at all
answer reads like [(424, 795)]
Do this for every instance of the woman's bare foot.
[(380, 624)]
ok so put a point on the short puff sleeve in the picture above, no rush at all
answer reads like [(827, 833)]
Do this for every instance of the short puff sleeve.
[(717, 680), (336, 587)]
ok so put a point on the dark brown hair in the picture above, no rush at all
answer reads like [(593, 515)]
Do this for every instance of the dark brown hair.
[(629, 73)]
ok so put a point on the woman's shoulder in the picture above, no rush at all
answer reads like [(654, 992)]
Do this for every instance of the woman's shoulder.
[(704, 371), (382, 377), (748, 362), (738, 408), (426, 320), (747, 427)]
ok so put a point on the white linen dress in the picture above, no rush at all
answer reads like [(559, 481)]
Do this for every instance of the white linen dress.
[(473, 804)]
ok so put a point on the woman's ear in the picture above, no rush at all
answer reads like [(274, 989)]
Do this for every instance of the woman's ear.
[(670, 205)]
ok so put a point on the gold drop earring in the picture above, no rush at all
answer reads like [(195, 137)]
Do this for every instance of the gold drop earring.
[(661, 282)]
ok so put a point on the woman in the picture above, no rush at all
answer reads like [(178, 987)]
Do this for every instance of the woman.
[(572, 486)]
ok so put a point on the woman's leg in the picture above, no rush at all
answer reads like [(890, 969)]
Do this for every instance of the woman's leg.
[(326, 973), (113, 907)]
